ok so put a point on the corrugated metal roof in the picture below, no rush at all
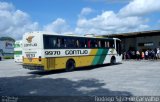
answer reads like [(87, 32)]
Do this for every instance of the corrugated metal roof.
[(133, 33)]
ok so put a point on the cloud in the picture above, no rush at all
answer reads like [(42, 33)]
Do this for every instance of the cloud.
[(109, 1), (58, 26), (140, 7), (6, 6), (130, 18), (110, 22), (86, 11), (14, 23)]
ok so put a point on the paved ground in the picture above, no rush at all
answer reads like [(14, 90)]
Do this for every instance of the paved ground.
[(131, 78)]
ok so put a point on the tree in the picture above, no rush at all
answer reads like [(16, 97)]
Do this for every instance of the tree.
[(7, 38)]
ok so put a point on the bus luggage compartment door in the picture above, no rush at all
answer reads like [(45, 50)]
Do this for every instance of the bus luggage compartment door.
[(50, 63)]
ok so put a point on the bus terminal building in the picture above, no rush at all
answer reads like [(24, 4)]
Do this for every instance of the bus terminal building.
[(138, 40)]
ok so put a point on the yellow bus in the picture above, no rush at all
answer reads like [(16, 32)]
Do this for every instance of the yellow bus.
[(51, 51)]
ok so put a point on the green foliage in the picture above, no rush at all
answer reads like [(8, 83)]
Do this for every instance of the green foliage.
[(7, 38), (8, 57)]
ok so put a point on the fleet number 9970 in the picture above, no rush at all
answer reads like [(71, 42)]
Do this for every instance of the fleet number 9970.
[(52, 52)]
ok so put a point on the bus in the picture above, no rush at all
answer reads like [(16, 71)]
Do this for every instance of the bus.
[(51, 51), (18, 51), (1, 56)]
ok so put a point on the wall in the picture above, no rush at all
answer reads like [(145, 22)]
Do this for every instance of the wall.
[(154, 39), (127, 43), (133, 42)]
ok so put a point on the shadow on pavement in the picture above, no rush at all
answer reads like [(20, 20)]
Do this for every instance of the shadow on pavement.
[(34, 86), (77, 69)]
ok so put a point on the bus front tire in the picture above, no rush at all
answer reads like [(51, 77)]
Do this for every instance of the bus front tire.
[(113, 60), (70, 65)]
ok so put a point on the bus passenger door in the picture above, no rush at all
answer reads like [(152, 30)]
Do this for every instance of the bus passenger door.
[(118, 47)]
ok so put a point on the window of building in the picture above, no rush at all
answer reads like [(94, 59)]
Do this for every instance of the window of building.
[(149, 44), (146, 44)]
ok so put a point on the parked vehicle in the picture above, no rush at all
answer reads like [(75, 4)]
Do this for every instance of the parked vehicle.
[(0, 56)]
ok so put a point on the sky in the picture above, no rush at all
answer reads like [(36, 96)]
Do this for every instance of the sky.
[(80, 17)]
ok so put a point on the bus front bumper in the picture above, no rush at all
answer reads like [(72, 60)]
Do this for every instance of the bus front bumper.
[(33, 67)]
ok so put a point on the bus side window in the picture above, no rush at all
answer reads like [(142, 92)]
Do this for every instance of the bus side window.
[(92, 45), (70, 42), (82, 43), (58, 42), (54, 43), (103, 44), (95, 43), (99, 44), (77, 43), (50, 43), (111, 44), (85, 43), (63, 42), (106, 44), (89, 43), (73, 44)]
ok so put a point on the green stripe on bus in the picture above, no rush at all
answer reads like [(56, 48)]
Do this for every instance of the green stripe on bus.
[(97, 56), (103, 56), (100, 56), (18, 52)]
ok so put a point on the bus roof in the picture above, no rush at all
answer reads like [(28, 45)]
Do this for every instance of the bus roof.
[(18, 41), (69, 35)]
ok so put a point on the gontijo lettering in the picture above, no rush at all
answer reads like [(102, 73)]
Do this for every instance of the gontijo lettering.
[(76, 52)]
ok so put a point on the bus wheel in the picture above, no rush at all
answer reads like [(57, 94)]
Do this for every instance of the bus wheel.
[(113, 60), (70, 65)]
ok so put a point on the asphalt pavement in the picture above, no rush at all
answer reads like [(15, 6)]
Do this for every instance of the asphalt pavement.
[(130, 78)]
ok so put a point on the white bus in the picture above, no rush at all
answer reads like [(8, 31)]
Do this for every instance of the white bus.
[(18, 51), (50, 51)]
